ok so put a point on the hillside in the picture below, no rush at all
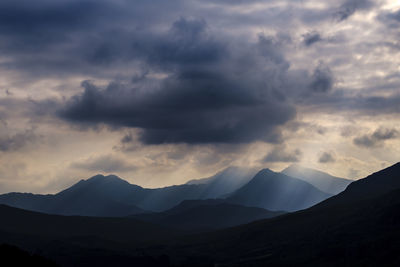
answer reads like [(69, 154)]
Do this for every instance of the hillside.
[(321, 180), (277, 192)]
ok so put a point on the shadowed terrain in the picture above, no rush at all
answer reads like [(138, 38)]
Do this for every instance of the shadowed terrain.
[(358, 227)]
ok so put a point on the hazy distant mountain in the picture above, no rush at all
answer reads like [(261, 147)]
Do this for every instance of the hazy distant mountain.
[(321, 180), (92, 197), (278, 192), (225, 182), (111, 196), (104, 196), (200, 215)]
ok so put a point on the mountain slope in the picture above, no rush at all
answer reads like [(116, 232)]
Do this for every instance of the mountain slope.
[(92, 197), (206, 215), (358, 227), (225, 182), (276, 191), (25, 222), (109, 196), (321, 180)]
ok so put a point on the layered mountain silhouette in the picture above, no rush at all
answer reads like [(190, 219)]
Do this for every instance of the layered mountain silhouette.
[(110, 196), (275, 191), (225, 182), (205, 215), (97, 196), (357, 227), (321, 180)]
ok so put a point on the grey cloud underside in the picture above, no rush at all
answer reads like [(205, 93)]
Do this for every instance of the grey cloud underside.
[(376, 138), (281, 154), (311, 38), (326, 157), (213, 92)]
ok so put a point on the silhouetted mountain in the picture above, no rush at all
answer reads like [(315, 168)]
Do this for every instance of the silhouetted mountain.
[(358, 227), (125, 229), (202, 215), (110, 196), (97, 196), (372, 186), (321, 180), (225, 182), (276, 191), (83, 241)]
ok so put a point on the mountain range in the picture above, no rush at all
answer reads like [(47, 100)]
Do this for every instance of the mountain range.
[(321, 180), (357, 227), (110, 196)]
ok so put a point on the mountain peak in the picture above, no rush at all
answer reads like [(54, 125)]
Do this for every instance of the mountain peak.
[(266, 171)]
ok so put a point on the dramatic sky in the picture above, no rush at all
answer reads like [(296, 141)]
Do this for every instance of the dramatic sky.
[(160, 92)]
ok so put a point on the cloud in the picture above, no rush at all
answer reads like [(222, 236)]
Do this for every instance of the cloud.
[(349, 7), (323, 80), (390, 19), (105, 163), (17, 141), (376, 138), (311, 38), (210, 92), (280, 154), (326, 157)]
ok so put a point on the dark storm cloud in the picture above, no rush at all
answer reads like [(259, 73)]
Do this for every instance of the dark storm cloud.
[(281, 154), (349, 7), (105, 163), (326, 157), (213, 92), (189, 84), (311, 38), (376, 138), (44, 38)]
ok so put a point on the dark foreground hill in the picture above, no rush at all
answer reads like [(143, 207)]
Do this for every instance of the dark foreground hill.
[(14, 256), (84, 241), (206, 215)]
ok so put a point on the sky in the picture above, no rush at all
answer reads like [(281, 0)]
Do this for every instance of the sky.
[(161, 92)]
